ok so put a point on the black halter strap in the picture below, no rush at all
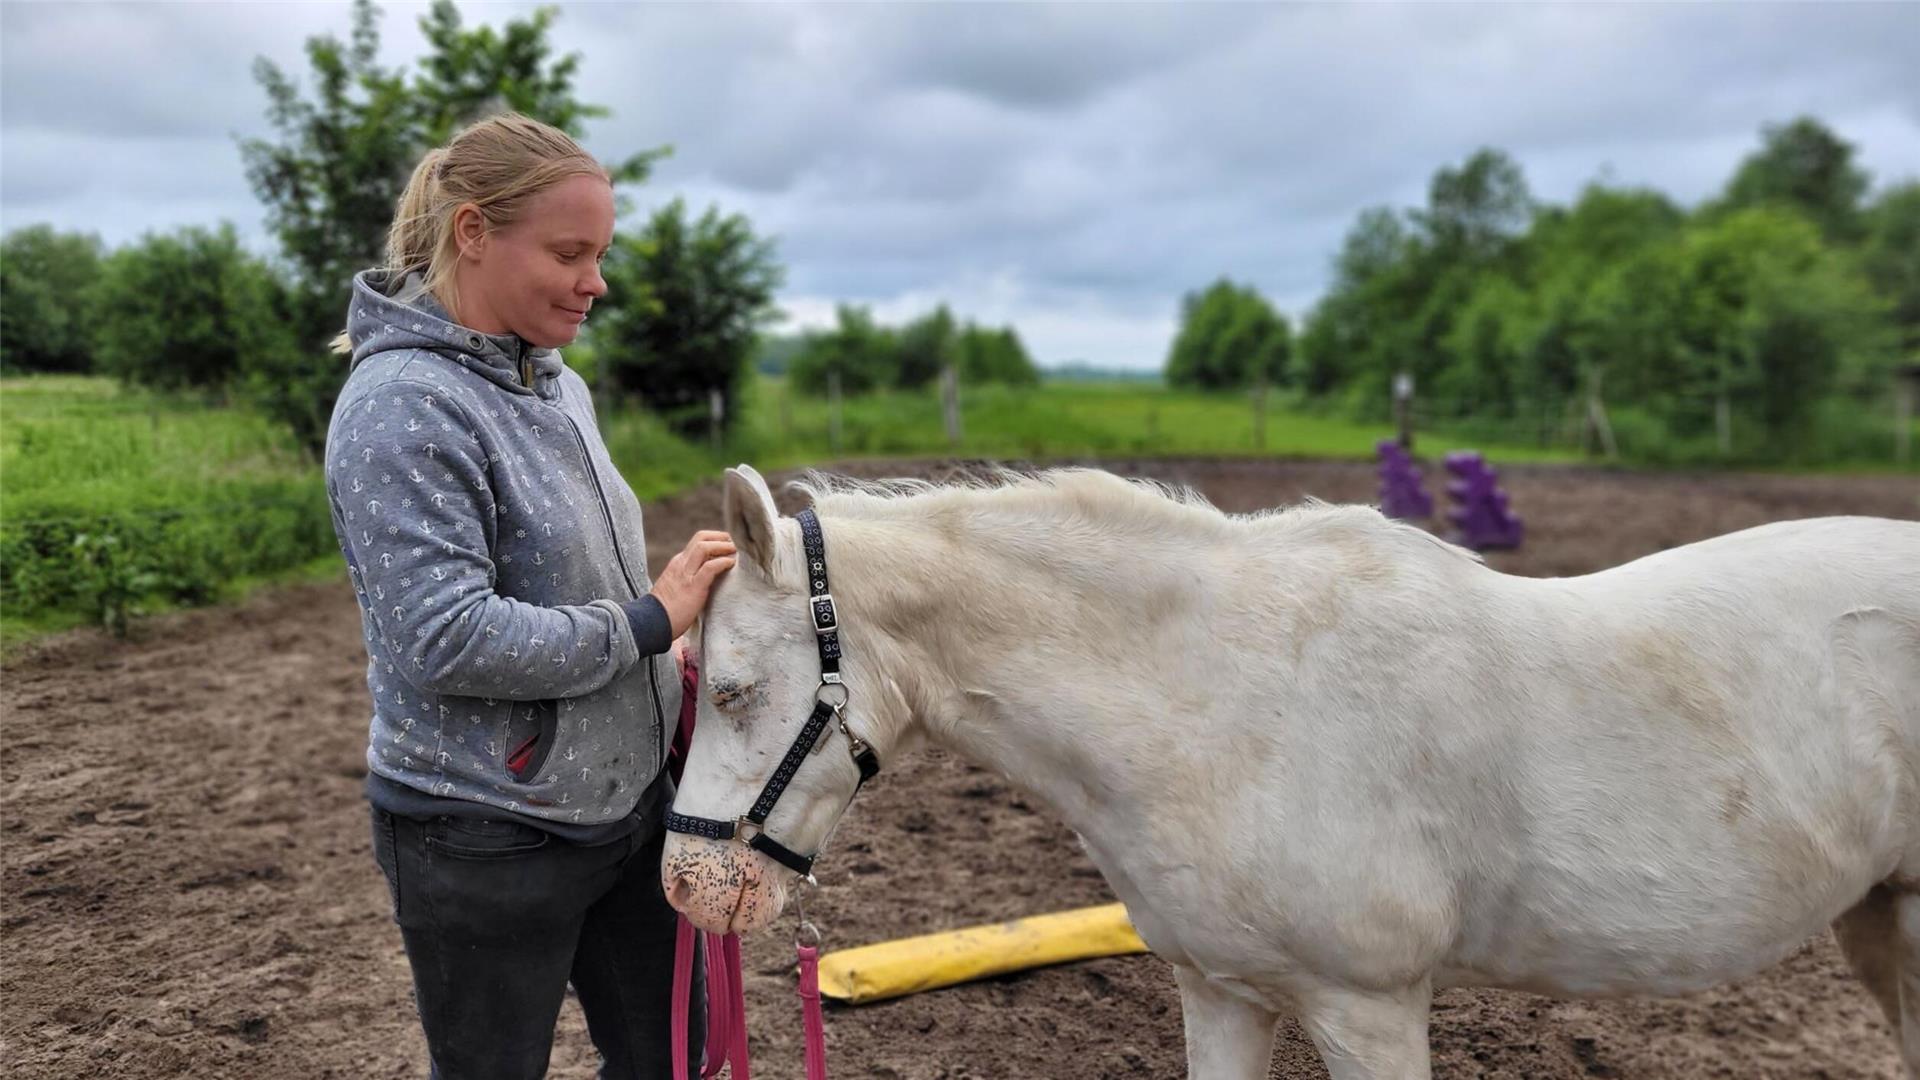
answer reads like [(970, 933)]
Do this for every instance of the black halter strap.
[(751, 829)]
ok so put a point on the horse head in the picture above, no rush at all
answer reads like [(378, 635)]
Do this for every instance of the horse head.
[(779, 753)]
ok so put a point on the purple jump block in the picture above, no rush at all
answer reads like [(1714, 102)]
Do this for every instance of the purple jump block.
[(1481, 517), (1402, 495)]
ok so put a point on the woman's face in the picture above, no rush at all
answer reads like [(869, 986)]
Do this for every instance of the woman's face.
[(537, 277)]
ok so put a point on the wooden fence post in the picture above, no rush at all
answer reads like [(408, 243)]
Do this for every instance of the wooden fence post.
[(1403, 408), (950, 402), (1906, 394), (1260, 412), (833, 411)]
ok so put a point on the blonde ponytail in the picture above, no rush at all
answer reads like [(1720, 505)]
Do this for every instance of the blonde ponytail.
[(497, 164)]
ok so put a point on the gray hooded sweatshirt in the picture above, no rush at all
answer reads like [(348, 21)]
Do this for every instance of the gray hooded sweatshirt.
[(515, 659)]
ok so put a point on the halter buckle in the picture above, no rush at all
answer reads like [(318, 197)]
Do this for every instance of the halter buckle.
[(826, 619), (741, 827)]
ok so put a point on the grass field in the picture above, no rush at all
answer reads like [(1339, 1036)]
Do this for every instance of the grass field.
[(116, 501)]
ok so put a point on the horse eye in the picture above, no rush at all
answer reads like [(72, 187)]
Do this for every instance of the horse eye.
[(726, 691)]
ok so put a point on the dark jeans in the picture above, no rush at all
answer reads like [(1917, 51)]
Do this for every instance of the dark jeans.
[(499, 916)]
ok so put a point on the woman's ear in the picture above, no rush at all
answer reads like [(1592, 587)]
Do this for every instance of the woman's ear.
[(749, 516), (469, 230)]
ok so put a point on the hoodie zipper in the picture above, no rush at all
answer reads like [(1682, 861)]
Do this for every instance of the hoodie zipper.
[(613, 537)]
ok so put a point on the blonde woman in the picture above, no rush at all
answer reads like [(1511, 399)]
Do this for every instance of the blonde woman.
[(518, 657)]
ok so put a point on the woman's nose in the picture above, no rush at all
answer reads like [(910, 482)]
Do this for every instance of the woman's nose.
[(595, 285)]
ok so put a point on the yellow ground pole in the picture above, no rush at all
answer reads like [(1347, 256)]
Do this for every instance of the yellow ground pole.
[(893, 969)]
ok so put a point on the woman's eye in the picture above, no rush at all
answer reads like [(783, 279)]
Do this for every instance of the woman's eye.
[(569, 256)]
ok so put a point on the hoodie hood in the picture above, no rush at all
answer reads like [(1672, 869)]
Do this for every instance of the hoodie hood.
[(388, 314)]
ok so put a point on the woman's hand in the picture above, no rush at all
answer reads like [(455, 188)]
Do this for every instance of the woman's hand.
[(683, 586)]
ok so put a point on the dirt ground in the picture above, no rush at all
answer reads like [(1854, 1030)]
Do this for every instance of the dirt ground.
[(188, 889)]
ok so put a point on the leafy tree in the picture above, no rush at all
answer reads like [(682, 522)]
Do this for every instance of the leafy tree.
[(925, 347), (1476, 212), (695, 295), (995, 356), (1771, 318), (1229, 336), (1742, 317), (858, 350), (1890, 258), (1487, 347), (1803, 165), (181, 310), (334, 171), (48, 317)]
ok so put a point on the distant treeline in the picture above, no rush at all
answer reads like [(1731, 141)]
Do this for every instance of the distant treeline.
[(1789, 291), (868, 355)]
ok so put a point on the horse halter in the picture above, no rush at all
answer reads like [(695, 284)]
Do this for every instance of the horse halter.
[(814, 735)]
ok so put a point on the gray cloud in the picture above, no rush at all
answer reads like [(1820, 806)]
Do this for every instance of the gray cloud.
[(1072, 168)]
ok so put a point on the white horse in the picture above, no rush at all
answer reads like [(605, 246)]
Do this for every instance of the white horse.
[(1331, 763)]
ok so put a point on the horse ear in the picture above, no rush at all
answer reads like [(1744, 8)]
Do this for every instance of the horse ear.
[(749, 515)]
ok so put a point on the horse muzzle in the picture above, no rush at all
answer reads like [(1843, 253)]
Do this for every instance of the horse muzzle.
[(722, 886)]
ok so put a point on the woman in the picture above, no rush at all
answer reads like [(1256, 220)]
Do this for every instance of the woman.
[(518, 658)]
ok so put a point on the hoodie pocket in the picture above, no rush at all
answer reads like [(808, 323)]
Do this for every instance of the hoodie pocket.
[(531, 732)]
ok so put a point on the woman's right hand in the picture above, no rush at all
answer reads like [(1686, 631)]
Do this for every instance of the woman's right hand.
[(683, 586)]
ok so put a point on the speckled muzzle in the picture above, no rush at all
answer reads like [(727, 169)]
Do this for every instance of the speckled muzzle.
[(722, 886)]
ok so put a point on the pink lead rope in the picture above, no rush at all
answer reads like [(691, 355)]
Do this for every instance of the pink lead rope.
[(726, 988), (810, 1009)]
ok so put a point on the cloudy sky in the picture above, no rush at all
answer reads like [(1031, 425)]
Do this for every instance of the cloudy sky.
[(1070, 169)]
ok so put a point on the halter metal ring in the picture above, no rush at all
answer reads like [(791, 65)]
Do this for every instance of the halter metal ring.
[(846, 695), (806, 935)]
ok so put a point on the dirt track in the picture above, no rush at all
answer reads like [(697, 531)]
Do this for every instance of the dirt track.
[(188, 889)]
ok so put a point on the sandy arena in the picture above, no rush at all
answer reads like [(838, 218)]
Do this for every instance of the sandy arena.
[(189, 892)]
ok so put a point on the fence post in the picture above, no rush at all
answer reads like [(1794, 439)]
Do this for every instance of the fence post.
[(833, 411), (1403, 408), (1260, 412), (716, 415), (1906, 388), (950, 402), (1597, 417)]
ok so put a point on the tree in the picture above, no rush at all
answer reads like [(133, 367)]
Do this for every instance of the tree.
[(181, 310), (925, 347), (1486, 348), (995, 356), (1475, 212), (1229, 337), (1770, 318), (334, 172), (47, 320), (857, 350), (1804, 165), (1891, 259), (696, 295)]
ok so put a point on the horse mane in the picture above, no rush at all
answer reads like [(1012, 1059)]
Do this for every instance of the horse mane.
[(1087, 495)]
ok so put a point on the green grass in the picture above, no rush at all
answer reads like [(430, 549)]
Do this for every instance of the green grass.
[(204, 502), (73, 444), (115, 502), (1075, 419)]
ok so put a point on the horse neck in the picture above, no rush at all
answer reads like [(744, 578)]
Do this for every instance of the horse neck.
[(1032, 655)]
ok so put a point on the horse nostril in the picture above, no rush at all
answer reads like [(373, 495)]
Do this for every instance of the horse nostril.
[(680, 893)]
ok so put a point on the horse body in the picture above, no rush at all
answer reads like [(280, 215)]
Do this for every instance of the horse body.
[(1330, 763)]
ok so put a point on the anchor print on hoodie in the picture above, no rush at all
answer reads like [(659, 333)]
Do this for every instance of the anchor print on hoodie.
[(492, 544)]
